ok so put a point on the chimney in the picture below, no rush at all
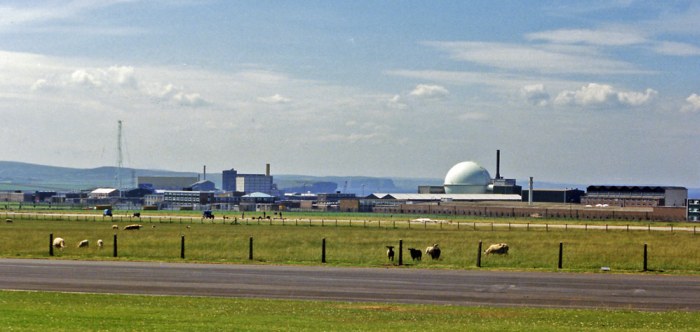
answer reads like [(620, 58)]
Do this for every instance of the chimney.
[(205, 172), (498, 164), (529, 194), (267, 169)]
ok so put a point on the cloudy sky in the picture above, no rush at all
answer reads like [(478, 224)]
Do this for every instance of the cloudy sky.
[(596, 92)]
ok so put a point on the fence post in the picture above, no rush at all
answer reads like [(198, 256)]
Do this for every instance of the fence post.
[(114, 249), (182, 247), (478, 256), (323, 251), (561, 253), (400, 252), (250, 248), (645, 257), (50, 244)]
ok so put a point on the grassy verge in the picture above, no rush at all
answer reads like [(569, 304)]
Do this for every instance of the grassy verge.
[(46, 311), (362, 244)]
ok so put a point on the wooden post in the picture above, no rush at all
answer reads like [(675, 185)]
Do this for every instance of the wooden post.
[(114, 249), (478, 256), (400, 252), (561, 253), (645, 257), (182, 246), (323, 251), (50, 244), (250, 248)]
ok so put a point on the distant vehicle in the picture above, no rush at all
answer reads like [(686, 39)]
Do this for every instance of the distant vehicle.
[(107, 213), (207, 214)]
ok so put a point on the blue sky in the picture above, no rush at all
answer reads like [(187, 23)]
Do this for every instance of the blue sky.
[(596, 92)]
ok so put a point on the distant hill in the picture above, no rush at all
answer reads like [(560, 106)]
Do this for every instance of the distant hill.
[(33, 177)]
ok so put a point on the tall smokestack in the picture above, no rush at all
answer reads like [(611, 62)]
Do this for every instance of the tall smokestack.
[(498, 164), (529, 194), (205, 172), (267, 169)]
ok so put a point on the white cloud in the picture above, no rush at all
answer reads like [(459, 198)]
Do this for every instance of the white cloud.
[(692, 104), (396, 102), (592, 37), (275, 99), (595, 94), (429, 91), (678, 49), (569, 59), (535, 94)]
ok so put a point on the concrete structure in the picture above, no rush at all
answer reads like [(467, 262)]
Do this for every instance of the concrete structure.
[(188, 199), (467, 178), (572, 196), (228, 180), (248, 183), (167, 182), (635, 196)]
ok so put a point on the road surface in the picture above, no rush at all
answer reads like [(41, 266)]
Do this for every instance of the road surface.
[(394, 285)]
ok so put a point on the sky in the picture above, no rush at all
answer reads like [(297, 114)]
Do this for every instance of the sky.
[(591, 92)]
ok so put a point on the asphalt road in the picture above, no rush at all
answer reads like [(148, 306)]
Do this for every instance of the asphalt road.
[(395, 285)]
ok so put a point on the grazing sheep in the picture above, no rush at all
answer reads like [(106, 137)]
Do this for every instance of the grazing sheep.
[(8, 220), (433, 251), (100, 243), (84, 244), (59, 243), (115, 227), (416, 254), (132, 227), (390, 253), (499, 248), (137, 215)]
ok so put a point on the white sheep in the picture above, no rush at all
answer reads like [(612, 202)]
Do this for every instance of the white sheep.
[(59, 243), (100, 243), (115, 227), (84, 244), (498, 248), (132, 227), (433, 251)]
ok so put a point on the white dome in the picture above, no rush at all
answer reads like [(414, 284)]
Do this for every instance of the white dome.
[(467, 178)]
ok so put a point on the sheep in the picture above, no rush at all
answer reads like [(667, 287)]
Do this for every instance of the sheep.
[(100, 243), (132, 227), (136, 215), (390, 253), (115, 227), (59, 243), (83, 244), (416, 254), (499, 248), (8, 220), (433, 251)]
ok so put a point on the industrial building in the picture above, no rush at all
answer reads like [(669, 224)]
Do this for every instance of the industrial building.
[(248, 183), (629, 196), (166, 182)]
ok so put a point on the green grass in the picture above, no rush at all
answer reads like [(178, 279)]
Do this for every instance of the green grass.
[(362, 244), (48, 311)]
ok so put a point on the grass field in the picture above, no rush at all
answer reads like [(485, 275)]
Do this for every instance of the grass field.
[(47, 311), (362, 244)]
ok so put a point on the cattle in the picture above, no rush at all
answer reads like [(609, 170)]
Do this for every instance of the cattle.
[(390, 253), (132, 227), (83, 244), (498, 248), (433, 251), (416, 254), (59, 243)]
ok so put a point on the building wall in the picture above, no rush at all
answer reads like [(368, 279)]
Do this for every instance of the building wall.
[(228, 180), (168, 182), (250, 183)]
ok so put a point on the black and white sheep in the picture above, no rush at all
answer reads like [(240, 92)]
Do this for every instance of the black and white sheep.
[(59, 243), (83, 244), (132, 227), (100, 243), (498, 248), (433, 251), (390, 253), (416, 254)]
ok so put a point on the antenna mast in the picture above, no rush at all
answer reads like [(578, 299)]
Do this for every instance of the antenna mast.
[(119, 156)]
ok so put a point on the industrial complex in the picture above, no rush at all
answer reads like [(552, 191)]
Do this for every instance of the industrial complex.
[(468, 190)]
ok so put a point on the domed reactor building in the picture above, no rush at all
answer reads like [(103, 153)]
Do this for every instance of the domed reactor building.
[(469, 177)]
